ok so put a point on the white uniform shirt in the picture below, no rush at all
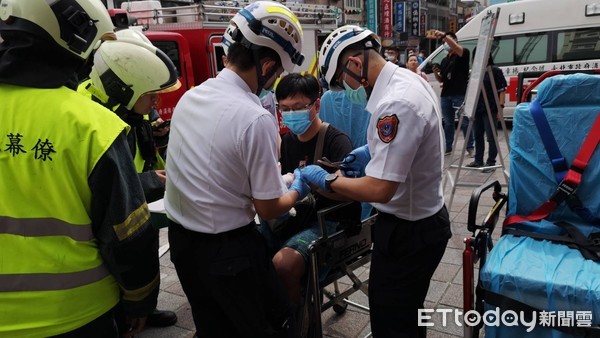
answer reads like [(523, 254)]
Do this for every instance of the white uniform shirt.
[(405, 138), (222, 153)]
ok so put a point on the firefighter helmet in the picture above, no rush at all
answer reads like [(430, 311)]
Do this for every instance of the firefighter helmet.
[(126, 70), (335, 44), (132, 35), (270, 24), (74, 25)]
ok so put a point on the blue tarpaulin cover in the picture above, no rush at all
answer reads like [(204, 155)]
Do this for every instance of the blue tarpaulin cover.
[(542, 274)]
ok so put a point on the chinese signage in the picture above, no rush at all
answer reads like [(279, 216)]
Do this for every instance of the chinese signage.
[(399, 17), (415, 21), (386, 19), (372, 15)]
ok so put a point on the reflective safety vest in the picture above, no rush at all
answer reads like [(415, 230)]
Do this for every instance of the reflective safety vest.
[(87, 91), (52, 277)]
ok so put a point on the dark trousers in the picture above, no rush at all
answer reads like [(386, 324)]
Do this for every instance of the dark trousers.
[(101, 327), (482, 127), (231, 283), (405, 256)]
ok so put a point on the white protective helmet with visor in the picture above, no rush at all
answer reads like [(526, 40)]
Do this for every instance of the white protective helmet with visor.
[(125, 70), (74, 25), (270, 24), (335, 44)]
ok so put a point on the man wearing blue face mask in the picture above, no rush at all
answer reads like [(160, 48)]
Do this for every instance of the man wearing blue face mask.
[(298, 98), (403, 166), (453, 73)]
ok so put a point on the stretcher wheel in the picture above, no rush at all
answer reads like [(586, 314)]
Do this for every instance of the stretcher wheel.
[(340, 308)]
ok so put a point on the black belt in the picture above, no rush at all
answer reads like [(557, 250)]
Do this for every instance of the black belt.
[(221, 235)]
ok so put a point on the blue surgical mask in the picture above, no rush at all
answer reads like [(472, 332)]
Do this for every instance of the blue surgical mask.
[(263, 93), (297, 120), (356, 96), (447, 47)]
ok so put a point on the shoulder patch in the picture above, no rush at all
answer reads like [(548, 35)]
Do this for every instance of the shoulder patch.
[(387, 127)]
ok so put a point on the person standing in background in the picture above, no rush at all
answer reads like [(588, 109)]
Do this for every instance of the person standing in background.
[(481, 124), (453, 73), (412, 64)]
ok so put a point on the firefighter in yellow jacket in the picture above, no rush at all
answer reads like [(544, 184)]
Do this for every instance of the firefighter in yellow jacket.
[(127, 75), (74, 231)]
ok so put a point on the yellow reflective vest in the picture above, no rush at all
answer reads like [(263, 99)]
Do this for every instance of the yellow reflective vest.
[(52, 277), (138, 160)]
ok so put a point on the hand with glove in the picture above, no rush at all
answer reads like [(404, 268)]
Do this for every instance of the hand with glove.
[(314, 174), (299, 185), (355, 163)]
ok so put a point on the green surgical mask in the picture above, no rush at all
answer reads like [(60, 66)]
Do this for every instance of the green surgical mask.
[(356, 96)]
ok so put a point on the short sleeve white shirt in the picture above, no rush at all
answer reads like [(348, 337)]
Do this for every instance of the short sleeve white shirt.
[(405, 138), (222, 154)]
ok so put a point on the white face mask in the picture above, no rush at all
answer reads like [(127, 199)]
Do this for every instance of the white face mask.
[(447, 47)]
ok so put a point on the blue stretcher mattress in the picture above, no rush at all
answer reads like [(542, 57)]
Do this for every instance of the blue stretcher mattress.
[(543, 274)]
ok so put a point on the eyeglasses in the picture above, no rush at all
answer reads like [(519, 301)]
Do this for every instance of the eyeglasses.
[(284, 109)]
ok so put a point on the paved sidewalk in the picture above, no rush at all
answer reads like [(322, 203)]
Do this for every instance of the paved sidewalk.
[(445, 291)]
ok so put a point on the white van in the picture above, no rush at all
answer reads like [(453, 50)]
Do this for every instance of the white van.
[(534, 35)]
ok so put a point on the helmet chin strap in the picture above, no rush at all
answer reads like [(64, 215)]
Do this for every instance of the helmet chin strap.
[(362, 79), (261, 79)]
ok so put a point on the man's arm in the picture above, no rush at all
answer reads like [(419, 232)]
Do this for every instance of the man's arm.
[(364, 189), (120, 222)]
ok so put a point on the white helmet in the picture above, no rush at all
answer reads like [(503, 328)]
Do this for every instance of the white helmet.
[(270, 24), (126, 70), (334, 45), (227, 40), (75, 25), (131, 34)]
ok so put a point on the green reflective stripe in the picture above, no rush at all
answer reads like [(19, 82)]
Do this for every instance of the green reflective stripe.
[(39, 227), (51, 281)]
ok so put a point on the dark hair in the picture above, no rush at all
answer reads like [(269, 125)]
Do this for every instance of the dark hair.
[(296, 83), (452, 35), (243, 57)]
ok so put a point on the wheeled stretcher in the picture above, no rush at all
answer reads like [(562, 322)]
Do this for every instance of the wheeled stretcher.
[(341, 253), (542, 277)]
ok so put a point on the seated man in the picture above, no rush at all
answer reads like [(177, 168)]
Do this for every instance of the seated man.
[(298, 99)]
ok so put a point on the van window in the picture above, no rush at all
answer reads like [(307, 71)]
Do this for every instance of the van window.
[(578, 44), (503, 51), (172, 50), (531, 48)]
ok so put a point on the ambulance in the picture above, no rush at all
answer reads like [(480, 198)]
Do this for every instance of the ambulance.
[(534, 35)]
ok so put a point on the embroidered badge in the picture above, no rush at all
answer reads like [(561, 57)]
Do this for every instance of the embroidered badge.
[(387, 127)]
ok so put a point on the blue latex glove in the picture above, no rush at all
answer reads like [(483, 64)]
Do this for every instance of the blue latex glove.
[(355, 163), (314, 174), (299, 185)]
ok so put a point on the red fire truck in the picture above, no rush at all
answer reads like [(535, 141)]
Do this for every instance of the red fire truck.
[(191, 36)]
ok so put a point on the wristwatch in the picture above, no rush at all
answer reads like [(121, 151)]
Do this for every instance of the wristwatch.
[(328, 180)]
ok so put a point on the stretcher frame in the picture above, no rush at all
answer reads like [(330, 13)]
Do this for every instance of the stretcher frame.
[(344, 251)]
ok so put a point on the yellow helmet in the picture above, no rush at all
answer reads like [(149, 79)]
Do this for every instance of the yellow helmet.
[(74, 25), (126, 70)]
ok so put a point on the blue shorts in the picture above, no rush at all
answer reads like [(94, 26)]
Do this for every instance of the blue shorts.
[(299, 241)]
